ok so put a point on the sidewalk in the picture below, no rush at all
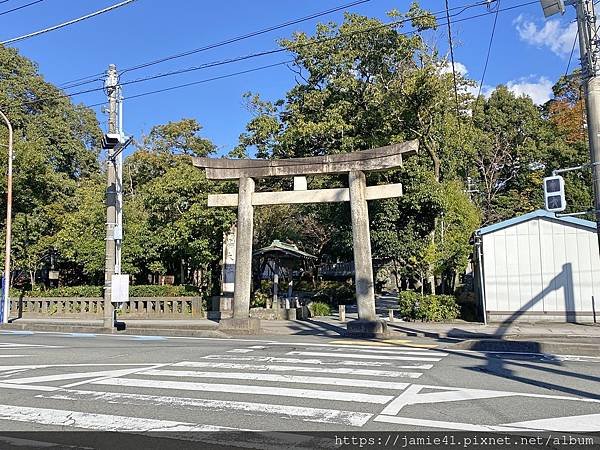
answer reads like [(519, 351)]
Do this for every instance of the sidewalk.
[(559, 338)]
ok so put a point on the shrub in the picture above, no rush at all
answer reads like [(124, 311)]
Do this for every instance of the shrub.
[(319, 309), (335, 293), (408, 302), (434, 308), (98, 291), (68, 291), (164, 291), (259, 300)]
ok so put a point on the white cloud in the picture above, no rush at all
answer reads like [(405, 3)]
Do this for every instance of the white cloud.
[(539, 90), (460, 68), (557, 37)]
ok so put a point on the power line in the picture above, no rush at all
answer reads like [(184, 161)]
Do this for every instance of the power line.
[(452, 58), (193, 83), (571, 55), (275, 27), (227, 41), (70, 22), (269, 52), (487, 58), (244, 36), (20, 7)]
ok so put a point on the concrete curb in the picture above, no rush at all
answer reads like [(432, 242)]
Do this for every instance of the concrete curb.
[(508, 346)]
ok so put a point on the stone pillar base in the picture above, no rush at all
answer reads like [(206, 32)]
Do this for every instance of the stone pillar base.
[(250, 325), (368, 329)]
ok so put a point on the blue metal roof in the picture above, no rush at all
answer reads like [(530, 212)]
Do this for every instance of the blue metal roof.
[(538, 214)]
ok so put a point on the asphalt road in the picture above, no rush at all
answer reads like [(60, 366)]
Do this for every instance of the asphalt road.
[(52, 381)]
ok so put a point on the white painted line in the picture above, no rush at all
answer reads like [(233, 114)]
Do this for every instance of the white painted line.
[(278, 368), (445, 425), (248, 389), (46, 366), (305, 414), (417, 352), (240, 350), (26, 387), (258, 347), (74, 376), (14, 356), (115, 373), (274, 359), (83, 335), (7, 345), (24, 333), (352, 355), (443, 394), (587, 423), (102, 422), (147, 338), (352, 382)]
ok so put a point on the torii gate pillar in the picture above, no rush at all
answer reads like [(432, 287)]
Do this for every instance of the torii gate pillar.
[(354, 164)]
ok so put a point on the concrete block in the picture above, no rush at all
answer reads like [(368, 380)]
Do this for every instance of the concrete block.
[(251, 325), (368, 329)]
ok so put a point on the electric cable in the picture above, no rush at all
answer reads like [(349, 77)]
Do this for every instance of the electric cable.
[(452, 59), (487, 58), (268, 52), (20, 7), (65, 24)]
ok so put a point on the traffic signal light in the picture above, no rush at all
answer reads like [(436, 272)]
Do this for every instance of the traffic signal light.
[(554, 193)]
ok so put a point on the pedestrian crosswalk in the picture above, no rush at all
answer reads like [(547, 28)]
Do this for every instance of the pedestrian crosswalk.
[(330, 384)]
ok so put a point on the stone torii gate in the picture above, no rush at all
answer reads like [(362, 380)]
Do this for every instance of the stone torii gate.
[(355, 164)]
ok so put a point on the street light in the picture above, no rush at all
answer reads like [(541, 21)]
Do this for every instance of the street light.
[(5, 306)]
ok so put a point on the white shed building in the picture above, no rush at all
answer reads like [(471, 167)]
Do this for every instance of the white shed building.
[(539, 267)]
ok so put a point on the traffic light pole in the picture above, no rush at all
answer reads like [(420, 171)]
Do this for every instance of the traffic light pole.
[(111, 198), (590, 64)]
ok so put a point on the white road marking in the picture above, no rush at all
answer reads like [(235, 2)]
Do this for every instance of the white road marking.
[(14, 356), (278, 368), (74, 376), (102, 422), (412, 396), (352, 355), (440, 424), (417, 352), (258, 347), (352, 382), (27, 387), (7, 345), (248, 389), (306, 414), (46, 366), (274, 359), (587, 423), (115, 373), (240, 350)]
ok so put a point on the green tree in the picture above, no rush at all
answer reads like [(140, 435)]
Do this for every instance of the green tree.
[(55, 150)]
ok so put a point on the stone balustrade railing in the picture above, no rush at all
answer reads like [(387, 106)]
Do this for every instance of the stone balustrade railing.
[(136, 308)]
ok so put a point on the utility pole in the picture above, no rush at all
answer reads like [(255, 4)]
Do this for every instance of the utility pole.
[(590, 65), (111, 86), (6, 286)]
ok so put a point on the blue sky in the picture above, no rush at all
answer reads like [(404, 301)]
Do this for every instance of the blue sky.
[(528, 53)]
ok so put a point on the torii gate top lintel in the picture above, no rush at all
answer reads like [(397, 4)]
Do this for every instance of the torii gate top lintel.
[(381, 158)]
